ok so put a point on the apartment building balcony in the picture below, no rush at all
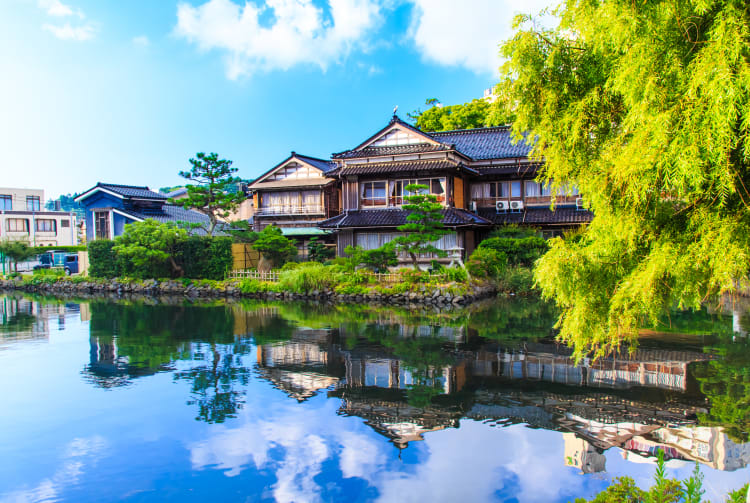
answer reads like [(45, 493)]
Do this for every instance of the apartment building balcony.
[(290, 210)]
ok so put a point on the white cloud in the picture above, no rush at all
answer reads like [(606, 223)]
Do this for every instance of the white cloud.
[(466, 33), (141, 41), (58, 9), (299, 33), (70, 32)]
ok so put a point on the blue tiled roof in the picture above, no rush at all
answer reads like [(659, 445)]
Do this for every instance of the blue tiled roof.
[(173, 213), (321, 164), (484, 143), (132, 191)]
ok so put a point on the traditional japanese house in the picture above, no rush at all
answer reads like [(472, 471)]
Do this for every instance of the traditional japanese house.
[(296, 195), (479, 175)]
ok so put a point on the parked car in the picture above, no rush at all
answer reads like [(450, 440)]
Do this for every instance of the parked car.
[(68, 261)]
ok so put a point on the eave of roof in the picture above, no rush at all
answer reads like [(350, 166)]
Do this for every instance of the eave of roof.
[(394, 121), (394, 217), (378, 168), (290, 184), (560, 216)]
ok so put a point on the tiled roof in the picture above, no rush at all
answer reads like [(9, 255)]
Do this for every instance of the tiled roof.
[(377, 168), (539, 216), (132, 191), (321, 164), (452, 217), (513, 169), (177, 192), (484, 143), (416, 148), (173, 213)]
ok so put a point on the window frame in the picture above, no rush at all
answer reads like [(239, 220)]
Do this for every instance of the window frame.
[(6, 199), (15, 222), (33, 203), (47, 222)]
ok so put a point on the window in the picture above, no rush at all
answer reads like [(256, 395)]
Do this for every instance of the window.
[(535, 189), (515, 189), (71, 258), (436, 187), (101, 224), (65, 223), (17, 225), (372, 240), (32, 203), (6, 202), (45, 225), (373, 194)]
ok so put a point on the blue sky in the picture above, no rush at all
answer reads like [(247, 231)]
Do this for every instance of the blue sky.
[(127, 92)]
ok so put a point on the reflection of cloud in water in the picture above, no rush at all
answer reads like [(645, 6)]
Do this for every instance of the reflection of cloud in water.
[(69, 473)]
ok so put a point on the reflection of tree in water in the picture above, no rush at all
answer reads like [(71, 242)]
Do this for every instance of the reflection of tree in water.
[(515, 318), (130, 340), (17, 322), (215, 386), (726, 383)]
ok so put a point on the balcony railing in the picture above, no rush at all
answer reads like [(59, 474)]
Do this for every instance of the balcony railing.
[(291, 210)]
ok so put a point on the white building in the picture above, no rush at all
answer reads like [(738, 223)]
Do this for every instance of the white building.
[(23, 218)]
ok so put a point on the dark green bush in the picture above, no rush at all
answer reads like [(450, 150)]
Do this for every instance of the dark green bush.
[(318, 251), (487, 263), (45, 249), (103, 262), (520, 251)]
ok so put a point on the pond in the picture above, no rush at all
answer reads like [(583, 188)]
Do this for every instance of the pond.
[(144, 400)]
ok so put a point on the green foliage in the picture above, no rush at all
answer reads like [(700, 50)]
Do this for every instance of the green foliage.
[(469, 115), (513, 231), (664, 490), (726, 383), (738, 495), (204, 257), (249, 285), (519, 251), (454, 274), (486, 263), (307, 277), (45, 249), (241, 231), (274, 246), (150, 248), (103, 262), (54, 272), (423, 226), (518, 280), (377, 259), (653, 130), (67, 203), (210, 192), (16, 251), (317, 251)]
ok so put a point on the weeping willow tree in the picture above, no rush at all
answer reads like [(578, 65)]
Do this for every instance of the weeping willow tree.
[(645, 107)]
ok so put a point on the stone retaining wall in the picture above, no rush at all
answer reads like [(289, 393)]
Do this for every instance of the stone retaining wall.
[(154, 288)]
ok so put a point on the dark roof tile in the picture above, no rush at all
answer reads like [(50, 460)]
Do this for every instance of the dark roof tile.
[(539, 216), (321, 164), (452, 217), (416, 148), (378, 168), (484, 143), (132, 191)]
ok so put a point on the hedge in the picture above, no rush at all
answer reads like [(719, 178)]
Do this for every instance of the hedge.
[(201, 257), (45, 249)]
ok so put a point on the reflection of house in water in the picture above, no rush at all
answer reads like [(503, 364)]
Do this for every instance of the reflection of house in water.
[(24, 319), (637, 402), (551, 363), (301, 367), (108, 369)]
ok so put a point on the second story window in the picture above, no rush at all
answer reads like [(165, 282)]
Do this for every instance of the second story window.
[(32, 203), (45, 225), (101, 222), (536, 189), (435, 186), (17, 225), (374, 194), (6, 202)]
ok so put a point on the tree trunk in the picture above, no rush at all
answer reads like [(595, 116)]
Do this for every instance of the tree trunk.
[(211, 227), (414, 260), (176, 267)]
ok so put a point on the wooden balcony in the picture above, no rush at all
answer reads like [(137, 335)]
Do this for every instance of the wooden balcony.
[(290, 210)]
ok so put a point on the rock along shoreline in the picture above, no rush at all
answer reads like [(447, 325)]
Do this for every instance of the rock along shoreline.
[(438, 297)]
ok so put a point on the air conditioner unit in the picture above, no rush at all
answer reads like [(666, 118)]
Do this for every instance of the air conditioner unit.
[(579, 203), (501, 206), (516, 205)]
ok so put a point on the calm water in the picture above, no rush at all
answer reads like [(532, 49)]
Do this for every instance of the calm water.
[(145, 401)]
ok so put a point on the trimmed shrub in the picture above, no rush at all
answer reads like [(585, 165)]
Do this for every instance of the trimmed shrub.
[(45, 249), (487, 263), (518, 280), (249, 285), (103, 262)]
